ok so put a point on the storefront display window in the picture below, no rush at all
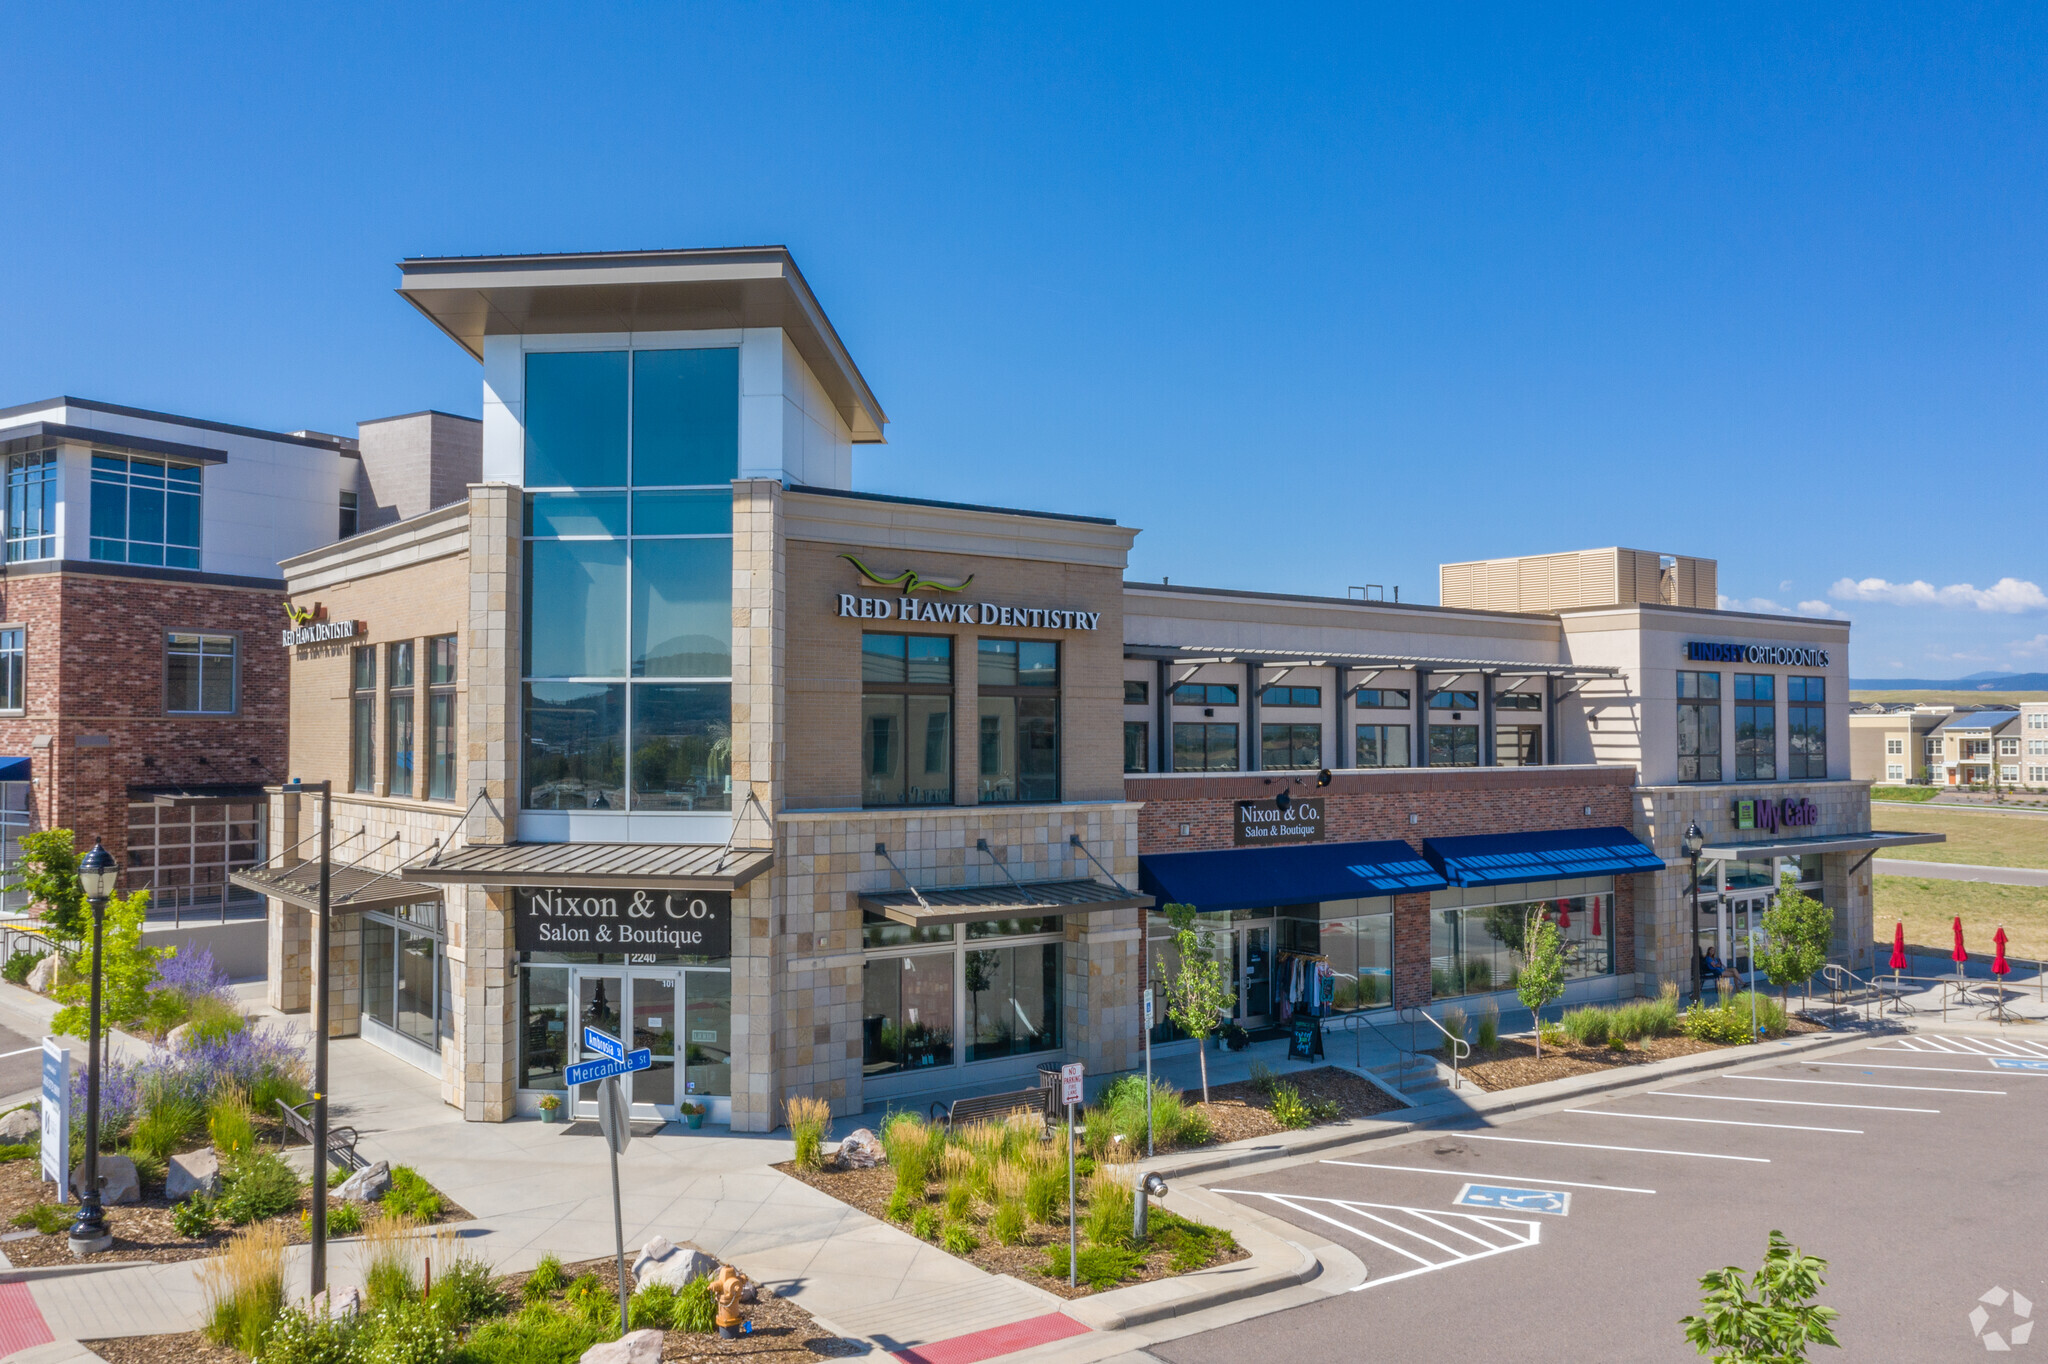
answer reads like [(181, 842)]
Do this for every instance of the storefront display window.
[(1383, 746), (1454, 745), (1004, 975), (1356, 939), (1286, 747), (1478, 949), (1012, 1000), (907, 1013), (404, 977)]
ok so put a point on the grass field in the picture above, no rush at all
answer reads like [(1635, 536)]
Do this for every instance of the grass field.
[(1987, 839), (1950, 698), (1928, 907)]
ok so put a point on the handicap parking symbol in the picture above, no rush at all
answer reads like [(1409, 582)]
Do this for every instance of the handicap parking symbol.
[(1510, 1199), (2018, 1063)]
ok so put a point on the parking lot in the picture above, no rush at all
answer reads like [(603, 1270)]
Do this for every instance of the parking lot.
[(1912, 1164)]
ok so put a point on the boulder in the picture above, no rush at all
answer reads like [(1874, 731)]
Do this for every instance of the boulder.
[(23, 1124), (177, 1038), (193, 1172), (635, 1347), (340, 1303), (118, 1181), (662, 1261), (43, 975), (862, 1150), (366, 1185)]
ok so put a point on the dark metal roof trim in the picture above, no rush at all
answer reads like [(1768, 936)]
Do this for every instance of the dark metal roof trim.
[(201, 793), (685, 866), (973, 904), (29, 568), (349, 889), (32, 437), (949, 506), (1211, 653), (197, 423)]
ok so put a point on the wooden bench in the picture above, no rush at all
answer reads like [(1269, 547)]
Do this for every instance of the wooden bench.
[(993, 1108), (341, 1141)]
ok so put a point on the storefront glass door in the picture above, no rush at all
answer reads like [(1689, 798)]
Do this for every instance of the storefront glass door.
[(600, 999), (650, 997)]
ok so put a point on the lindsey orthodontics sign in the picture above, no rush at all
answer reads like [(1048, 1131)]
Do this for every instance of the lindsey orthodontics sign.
[(1261, 822), (1779, 655), (664, 923)]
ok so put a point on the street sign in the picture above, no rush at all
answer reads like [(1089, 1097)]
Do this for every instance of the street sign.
[(57, 1117), (1510, 1199), (612, 1115), (1148, 1006), (1070, 1082), (604, 1044), (583, 1072), (2018, 1063)]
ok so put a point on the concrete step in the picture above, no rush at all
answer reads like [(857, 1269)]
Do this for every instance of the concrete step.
[(1425, 1087)]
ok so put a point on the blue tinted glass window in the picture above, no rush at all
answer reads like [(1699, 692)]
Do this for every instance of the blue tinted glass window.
[(576, 608), (686, 417), (682, 746), (144, 512), (575, 746), (682, 608), (576, 419), (705, 512), (555, 514)]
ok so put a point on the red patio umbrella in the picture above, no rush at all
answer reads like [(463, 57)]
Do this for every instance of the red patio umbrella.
[(1564, 914), (1959, 956), (1596, 916), (1899, 946), (1999, 965)]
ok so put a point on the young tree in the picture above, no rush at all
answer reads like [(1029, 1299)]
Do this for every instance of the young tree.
[(128, 971), (47, 875), (1543, 976), (1797, 930), (1200, 991), (1769, 1319)]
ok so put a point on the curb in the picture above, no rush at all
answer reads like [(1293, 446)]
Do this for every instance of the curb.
[(1186, 1293), (36, 1273)]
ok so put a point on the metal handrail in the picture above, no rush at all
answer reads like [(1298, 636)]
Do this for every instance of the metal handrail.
[(1459, 1048), (1356, 1023), (1841, 980)]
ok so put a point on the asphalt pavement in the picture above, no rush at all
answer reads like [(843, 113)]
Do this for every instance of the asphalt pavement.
[(1910, 1164), (1960, 871)]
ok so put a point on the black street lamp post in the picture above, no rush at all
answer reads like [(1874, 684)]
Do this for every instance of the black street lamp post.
[(1693, 844), (97, 873), (317, 1219)]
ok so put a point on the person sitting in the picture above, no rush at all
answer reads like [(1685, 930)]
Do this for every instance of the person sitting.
[(1711, 966)]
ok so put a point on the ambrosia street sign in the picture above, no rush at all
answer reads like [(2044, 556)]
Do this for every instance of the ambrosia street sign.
[(667, 923)]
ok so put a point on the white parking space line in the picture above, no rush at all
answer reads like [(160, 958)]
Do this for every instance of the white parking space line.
[(1474, 1174), (1714, 1122), (1593, 1146), (1861, 1084), (1929, 1044), (1488, 1235), (1796, 1103), (1931, 1070)]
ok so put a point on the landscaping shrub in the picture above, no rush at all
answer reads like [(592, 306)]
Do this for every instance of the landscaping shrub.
[(924, 1224), (898, 1207), (696, 1308), (296, 1338), (407, 1333), (213, 1019), (194, 1217), (588, 1295), (959, 1239), (652, 1308), (907, 1144), (1729, 1023), (1292, 1111), (47, 1218), (19, 965), (1262, 1079), (959, 1200), (20, 1150), (464, 1289), (389, 1253), (547, 1277), (1098, 1266), (256, 1185), (538, 1335), (1455, 1020), (1174, 1123), (1109, 1207), (1489, 1028), (243, 1289), (411, 1196), (1588, 1027), (1045, 1195), (165, 1126), (1193, 1244), (231, 1125), (343, 1218), (810, 1121), (1007, 1223)]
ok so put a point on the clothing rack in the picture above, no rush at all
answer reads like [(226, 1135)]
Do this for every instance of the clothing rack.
[(1305, 956)]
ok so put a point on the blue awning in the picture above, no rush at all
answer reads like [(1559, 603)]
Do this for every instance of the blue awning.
[(14, 769), (1548, 855), (1302, 874)]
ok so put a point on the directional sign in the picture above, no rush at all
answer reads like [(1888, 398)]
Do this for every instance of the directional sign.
[(1510, 1199), (604, 1044), (2018, 1063), (583, 1072)]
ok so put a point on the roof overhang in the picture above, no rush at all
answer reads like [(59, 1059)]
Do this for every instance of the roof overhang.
[(471, 297), (215, 793), (1005, 900), (35, 437), (1824, 843), (678, 866), (1194, 654), (349, 889)]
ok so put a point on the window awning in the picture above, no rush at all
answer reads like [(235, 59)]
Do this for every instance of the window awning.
[(14, 769), (1823, 843), (1301, 874), (1003, 900), (350, 890), (198, 793), (683, 866), (1545, 855)]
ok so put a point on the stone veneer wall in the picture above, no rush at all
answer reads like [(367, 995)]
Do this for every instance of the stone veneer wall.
[(760, 939)]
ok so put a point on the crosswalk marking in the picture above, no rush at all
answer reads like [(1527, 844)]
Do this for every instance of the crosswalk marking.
[(1430, 1239)]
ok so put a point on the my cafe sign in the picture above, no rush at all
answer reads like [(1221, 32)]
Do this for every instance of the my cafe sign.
[(1770, 655), (1290, 819), (1770, 815), (944, 610), (309, 625), (666, 923)]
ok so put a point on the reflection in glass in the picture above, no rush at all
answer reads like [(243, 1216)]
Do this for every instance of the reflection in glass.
[(707, 1045), (543, 1038), (576, 419), (907, 1013), (682, 608), (576, 608), (415, 995), (879, 931), (682, 746), (549, 515), (704, 511), (575, 746), (1454, 745), (906, 750), (1013, 996), (686, 417), (379, 947)]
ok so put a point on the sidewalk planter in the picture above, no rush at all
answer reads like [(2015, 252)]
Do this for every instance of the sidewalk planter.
[(551, 1109), (693, 1114)]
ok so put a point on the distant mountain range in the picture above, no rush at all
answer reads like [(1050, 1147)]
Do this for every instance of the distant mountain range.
[(1975, 682)]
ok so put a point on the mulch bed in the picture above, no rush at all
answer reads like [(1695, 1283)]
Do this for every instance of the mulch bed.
[(1238, 1110), (1514, 1063), (869, 1191), (783, 1334), (142, 1231)]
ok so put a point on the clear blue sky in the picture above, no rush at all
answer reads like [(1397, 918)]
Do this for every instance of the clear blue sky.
[(1314, 298)]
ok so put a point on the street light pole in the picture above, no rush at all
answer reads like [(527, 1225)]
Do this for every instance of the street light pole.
[(1692, 844), (89, 1235), (318, 1218)]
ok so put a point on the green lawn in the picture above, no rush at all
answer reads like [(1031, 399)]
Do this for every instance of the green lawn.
[(1950, 698), (1929, 906), (1986, 838)]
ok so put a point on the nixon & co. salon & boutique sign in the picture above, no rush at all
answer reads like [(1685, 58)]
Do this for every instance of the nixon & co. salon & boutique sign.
[(666, 923), (1262, 822)]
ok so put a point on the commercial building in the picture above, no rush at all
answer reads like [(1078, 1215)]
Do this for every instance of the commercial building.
[(669, 729)]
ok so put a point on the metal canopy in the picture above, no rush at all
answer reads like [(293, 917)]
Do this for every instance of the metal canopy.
[(350, 890), (1825, 843), (1204, 653), (684, 866), (1007, 900), (216, 793)]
